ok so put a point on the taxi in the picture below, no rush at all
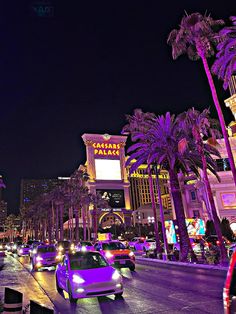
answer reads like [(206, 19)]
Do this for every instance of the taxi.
[(116, 254)]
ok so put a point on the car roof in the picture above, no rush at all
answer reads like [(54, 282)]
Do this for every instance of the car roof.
[(45, 245)]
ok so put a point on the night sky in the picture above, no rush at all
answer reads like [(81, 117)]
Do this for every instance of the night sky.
[(81, 70)]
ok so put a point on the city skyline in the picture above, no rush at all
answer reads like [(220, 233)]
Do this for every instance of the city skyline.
[(81, 70)]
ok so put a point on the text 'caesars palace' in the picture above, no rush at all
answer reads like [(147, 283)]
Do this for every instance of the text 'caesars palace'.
[(128, 195)]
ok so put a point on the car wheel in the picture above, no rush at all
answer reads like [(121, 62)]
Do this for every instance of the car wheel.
[(132, 268), (118, 295), (72, 300), (59, 289)]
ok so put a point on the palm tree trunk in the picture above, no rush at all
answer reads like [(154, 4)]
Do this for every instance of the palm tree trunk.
[(154, 208), (220, 115), (215, 217), (57, 223), (95, 227), (77, 225), (50, 225), (185, 246), (84, 221), (61, 222), (161, 213)]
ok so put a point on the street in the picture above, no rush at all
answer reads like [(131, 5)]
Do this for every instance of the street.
[(150, 289)]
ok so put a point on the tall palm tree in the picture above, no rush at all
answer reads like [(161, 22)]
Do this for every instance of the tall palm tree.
[(200, 125), (58, 196), (196, 37), (165, 138), (225, 64), (138, 126)]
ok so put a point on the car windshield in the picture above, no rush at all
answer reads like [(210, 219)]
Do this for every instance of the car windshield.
[(150, 240), (46, 249), (81, 261), (65, 244), (113, 246), (86, 243)]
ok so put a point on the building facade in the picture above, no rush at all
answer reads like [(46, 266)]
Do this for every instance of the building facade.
[(108, 176), (31, 189)]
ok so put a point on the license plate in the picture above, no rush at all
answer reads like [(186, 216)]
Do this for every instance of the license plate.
[(122, 262)]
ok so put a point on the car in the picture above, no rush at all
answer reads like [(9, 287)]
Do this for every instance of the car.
[(231, 249), (9, 246), (45, 256), (64, 246), (229, 290), (33, 247), (137, 243), (87, 275), (85, 246), (16, 245), (116, 254), (3, 248), (23, 250)]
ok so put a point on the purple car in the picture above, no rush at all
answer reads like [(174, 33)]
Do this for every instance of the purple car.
[(45, 256), (87, 275), (23, 250)]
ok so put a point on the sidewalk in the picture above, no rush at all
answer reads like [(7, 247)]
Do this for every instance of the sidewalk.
[(154, 261), (15, 276)]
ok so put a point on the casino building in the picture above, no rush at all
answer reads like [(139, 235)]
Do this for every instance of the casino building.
[(107, 176)]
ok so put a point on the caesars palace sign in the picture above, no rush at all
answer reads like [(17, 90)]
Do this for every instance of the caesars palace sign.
[(106, 149)]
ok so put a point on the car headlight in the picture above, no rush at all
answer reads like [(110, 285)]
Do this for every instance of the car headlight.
[(39, 258), (14, 247), (108, 254), (131, 254), (1, 246), (34, 251), (116, 275), (60, 248), (83, 249), (21, 251), (77, 279)]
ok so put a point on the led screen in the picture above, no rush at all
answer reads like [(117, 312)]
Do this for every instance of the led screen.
[(195, 227), (115, 198), (170, 232), (107, 169)]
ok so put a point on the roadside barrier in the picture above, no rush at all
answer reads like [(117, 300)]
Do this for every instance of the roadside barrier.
[(12, 301)]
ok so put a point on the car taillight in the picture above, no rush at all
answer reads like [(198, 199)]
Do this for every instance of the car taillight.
[(226, 300), (218, 242), (193, 244)]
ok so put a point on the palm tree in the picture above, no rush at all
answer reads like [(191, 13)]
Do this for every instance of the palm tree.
[(165, 138), (197, 37), (199, 124), (225, 64), (58, 196), (138, 126)]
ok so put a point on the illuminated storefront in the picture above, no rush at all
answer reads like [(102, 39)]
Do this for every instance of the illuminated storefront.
[(107, 176)]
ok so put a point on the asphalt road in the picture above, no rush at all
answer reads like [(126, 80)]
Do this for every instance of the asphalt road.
[(150, 289)]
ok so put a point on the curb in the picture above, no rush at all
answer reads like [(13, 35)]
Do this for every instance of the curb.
[(40, 287), (154, 262)]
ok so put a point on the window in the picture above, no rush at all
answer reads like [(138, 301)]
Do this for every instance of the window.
[(196, 214), (223, 164), (193, 195)]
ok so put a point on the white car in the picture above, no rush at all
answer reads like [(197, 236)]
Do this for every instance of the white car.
[(87, 275), (137, 243)]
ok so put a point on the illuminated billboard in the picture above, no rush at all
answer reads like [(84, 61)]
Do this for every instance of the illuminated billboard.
[(115, 198), (107, 169), (195, 226), (170, 232)]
